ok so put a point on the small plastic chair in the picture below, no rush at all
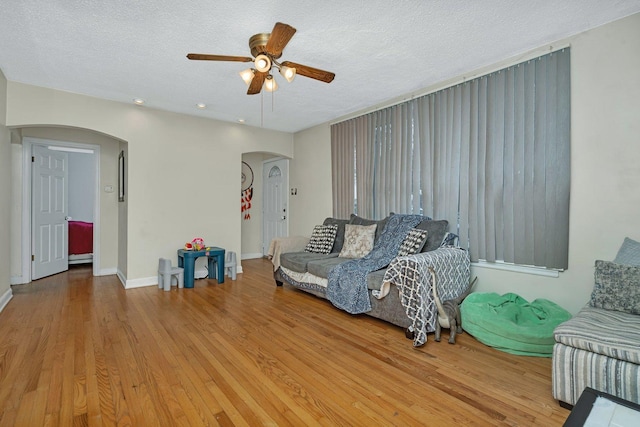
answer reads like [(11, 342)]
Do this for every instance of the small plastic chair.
[(230, 265), (166, 273)]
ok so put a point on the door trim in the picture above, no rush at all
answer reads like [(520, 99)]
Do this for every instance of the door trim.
[(27, 144)]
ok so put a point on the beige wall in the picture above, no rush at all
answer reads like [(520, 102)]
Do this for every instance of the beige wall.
[(5, 195), (310, 173), (252, 228), (180, 169), (605, 176)]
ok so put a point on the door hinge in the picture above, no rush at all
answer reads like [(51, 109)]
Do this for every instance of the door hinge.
[(33, 257)]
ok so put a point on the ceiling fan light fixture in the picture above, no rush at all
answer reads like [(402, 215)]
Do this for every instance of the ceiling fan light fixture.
[(262, 63), (289, 73), (270, 84), (247, 75)]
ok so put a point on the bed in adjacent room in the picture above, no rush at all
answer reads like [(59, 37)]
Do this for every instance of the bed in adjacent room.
[(80, 242)]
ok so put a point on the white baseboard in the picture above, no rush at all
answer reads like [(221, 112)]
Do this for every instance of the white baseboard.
[(5, 298), (108, 271), (141, 283), (153, 281), (123, 280), (251, 256), (16, 280)]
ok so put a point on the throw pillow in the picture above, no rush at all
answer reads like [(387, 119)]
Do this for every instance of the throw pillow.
[(358, 220), (413, 242), (322, 239), (629, 253), (450, 239), (358, 240), (617, 287), (436, 230)]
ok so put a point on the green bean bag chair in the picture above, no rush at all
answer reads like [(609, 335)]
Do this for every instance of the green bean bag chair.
[(512, 324)]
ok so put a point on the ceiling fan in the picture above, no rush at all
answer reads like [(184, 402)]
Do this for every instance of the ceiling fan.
[(266, 49)]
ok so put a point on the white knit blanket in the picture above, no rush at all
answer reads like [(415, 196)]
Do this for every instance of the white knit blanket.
[(282, 245)]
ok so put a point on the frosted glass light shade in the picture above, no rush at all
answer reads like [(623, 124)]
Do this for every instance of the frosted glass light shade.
[(288, 73), (270, 84), (247, 75)]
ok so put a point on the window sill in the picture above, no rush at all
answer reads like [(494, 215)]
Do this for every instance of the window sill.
[(501, 265)]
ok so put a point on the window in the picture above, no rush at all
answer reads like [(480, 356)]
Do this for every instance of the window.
[(490, 155)]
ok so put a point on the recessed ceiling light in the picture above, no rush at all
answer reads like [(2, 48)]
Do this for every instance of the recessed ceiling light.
[(138, 101), (201, 105), (240, 120)]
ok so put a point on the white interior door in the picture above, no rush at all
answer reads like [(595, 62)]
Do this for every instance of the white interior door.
[(275, 178), (49, 212)]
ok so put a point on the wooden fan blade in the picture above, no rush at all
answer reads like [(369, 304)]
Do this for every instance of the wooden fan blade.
[(314, 73), (205, 57), (280, 36), (256, 84)]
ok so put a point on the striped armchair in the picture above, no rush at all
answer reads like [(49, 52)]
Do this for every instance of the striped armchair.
[(600, 346), (600, 349)]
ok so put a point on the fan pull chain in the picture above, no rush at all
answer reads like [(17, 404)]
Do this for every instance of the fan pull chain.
[(261, 109)]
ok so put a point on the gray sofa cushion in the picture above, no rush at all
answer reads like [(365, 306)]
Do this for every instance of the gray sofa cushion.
[(436, 229), (321, 267), (374, 280), (297, 261), (339, 241)]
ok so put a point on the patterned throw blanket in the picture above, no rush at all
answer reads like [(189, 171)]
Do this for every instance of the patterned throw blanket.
[(411, 275), (347, 286)]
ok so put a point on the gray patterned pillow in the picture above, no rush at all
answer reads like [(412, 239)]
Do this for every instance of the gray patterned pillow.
[(322, 239), (413, 242), (629, 253), (617, 287), (358, 240)]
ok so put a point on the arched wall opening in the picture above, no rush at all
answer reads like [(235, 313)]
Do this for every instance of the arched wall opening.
[(102, 210)]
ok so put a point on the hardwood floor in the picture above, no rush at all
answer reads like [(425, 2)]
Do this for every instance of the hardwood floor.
[(80, 350)]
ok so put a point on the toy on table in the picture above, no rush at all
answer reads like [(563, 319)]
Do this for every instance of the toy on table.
[(196, 244)]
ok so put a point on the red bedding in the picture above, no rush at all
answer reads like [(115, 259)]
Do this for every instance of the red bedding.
[(80, 237)]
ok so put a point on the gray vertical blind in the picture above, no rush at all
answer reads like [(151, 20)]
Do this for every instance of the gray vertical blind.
[(491, 155)]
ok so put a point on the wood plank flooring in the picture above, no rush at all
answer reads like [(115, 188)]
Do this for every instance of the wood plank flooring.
[(80, 350)]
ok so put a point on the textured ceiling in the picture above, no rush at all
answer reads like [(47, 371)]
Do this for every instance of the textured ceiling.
[(378, 49)]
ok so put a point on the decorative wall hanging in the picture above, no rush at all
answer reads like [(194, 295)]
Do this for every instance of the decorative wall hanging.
[(247, 190)]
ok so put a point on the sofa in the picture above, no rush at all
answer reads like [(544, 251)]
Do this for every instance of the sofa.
[(600, 346), (313, 272)]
